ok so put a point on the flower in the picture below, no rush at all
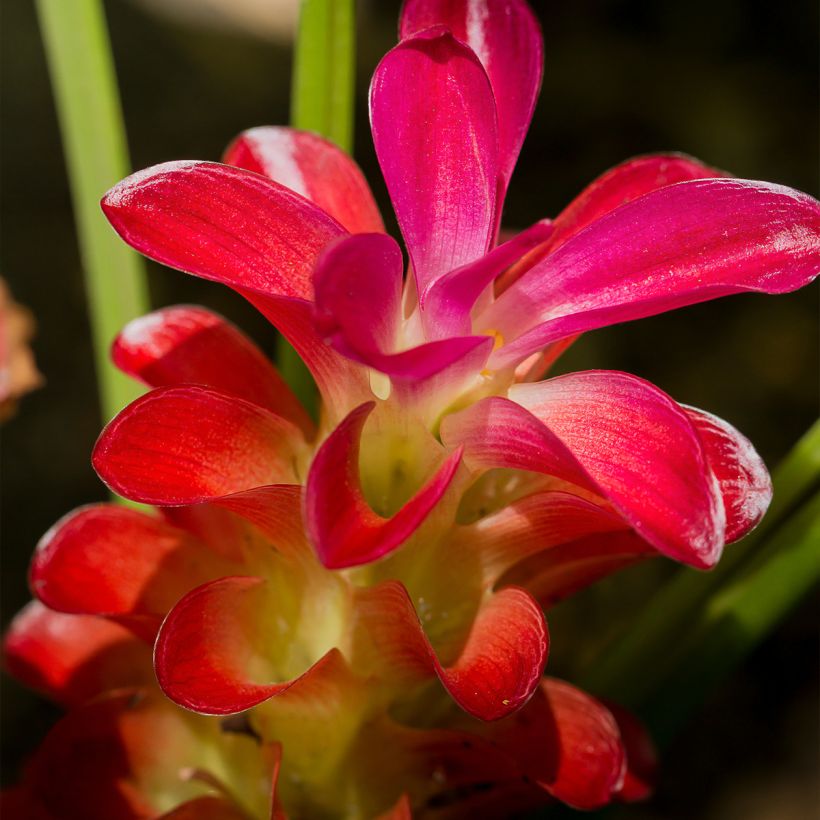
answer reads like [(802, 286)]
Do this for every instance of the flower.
[(369, 592)]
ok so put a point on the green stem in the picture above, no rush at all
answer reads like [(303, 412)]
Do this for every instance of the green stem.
[(735, 620), (629, 668), (322, 100), (85, 90)]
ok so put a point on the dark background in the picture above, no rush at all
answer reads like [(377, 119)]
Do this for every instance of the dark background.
[(732, 82)]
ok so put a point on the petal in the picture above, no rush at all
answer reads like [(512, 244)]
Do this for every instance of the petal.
[(744, 481), (313, 167), (589, 760), (400, 811), (641, 756), (622, 184), (433, 119), (497, 668), (73, 658), (114, 561), (188, 344), (538, 522), (642, 449), (345, 531), (613, 434), (506, 37), (676, 246), (213, 652), (222, 223), (184, 445), (448, 301), (358, 283), (206, 808)]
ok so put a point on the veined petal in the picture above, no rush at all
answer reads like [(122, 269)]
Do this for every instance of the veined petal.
[(538, 522), (447, 303), (498, 667), (213, 652), (313, 167), (184, 445), (222, 223), (613, 434), (675, 246), (506, 37), (186, 344), (744, 481), (109, 560), (73, 658), (622, 184), (344, 530), (589, 762), (432, 114), (358, 283)]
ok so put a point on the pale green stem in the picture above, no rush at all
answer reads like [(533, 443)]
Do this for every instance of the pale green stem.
[(629, 668), (91, 124), (322, 100)]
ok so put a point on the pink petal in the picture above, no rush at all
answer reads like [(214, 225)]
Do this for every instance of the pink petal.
[(313, 167), (616, 435), (676, 246), (433, 119), (589, 761), (73, 658), (344, 530), (498, 667), (744, 481), (188, 344), (531, 525), (224, 224), (358, 284), (448, 301), (213, 648), (184, 445), (622, 184), (506, 37), (114, 561)]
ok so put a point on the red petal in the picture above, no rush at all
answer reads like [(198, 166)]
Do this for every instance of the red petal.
[(641, 756), (401, 811), (622, 184), (344, 530), (432, 114), (588, 760), (500, 662), (313, 167), (506, 37), (183, 445), (188, 344), (224, 224), (744, 481), (632, 443), (73, 658), (110, 560), (213, 652)]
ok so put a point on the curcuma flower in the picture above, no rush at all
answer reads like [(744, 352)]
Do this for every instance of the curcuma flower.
[(351, 613)]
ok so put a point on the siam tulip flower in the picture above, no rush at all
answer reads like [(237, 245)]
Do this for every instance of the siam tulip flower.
[(368, 593)]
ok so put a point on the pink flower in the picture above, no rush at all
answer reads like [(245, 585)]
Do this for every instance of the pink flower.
[(334, 581)]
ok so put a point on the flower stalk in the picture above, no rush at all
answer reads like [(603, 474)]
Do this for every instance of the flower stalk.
[(93, 135)]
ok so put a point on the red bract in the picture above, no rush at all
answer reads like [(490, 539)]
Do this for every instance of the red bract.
[(369, 591)]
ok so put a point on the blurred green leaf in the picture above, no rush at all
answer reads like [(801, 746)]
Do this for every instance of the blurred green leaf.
[(85, 90)]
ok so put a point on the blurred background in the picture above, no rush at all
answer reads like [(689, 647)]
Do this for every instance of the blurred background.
[(732, 82)]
